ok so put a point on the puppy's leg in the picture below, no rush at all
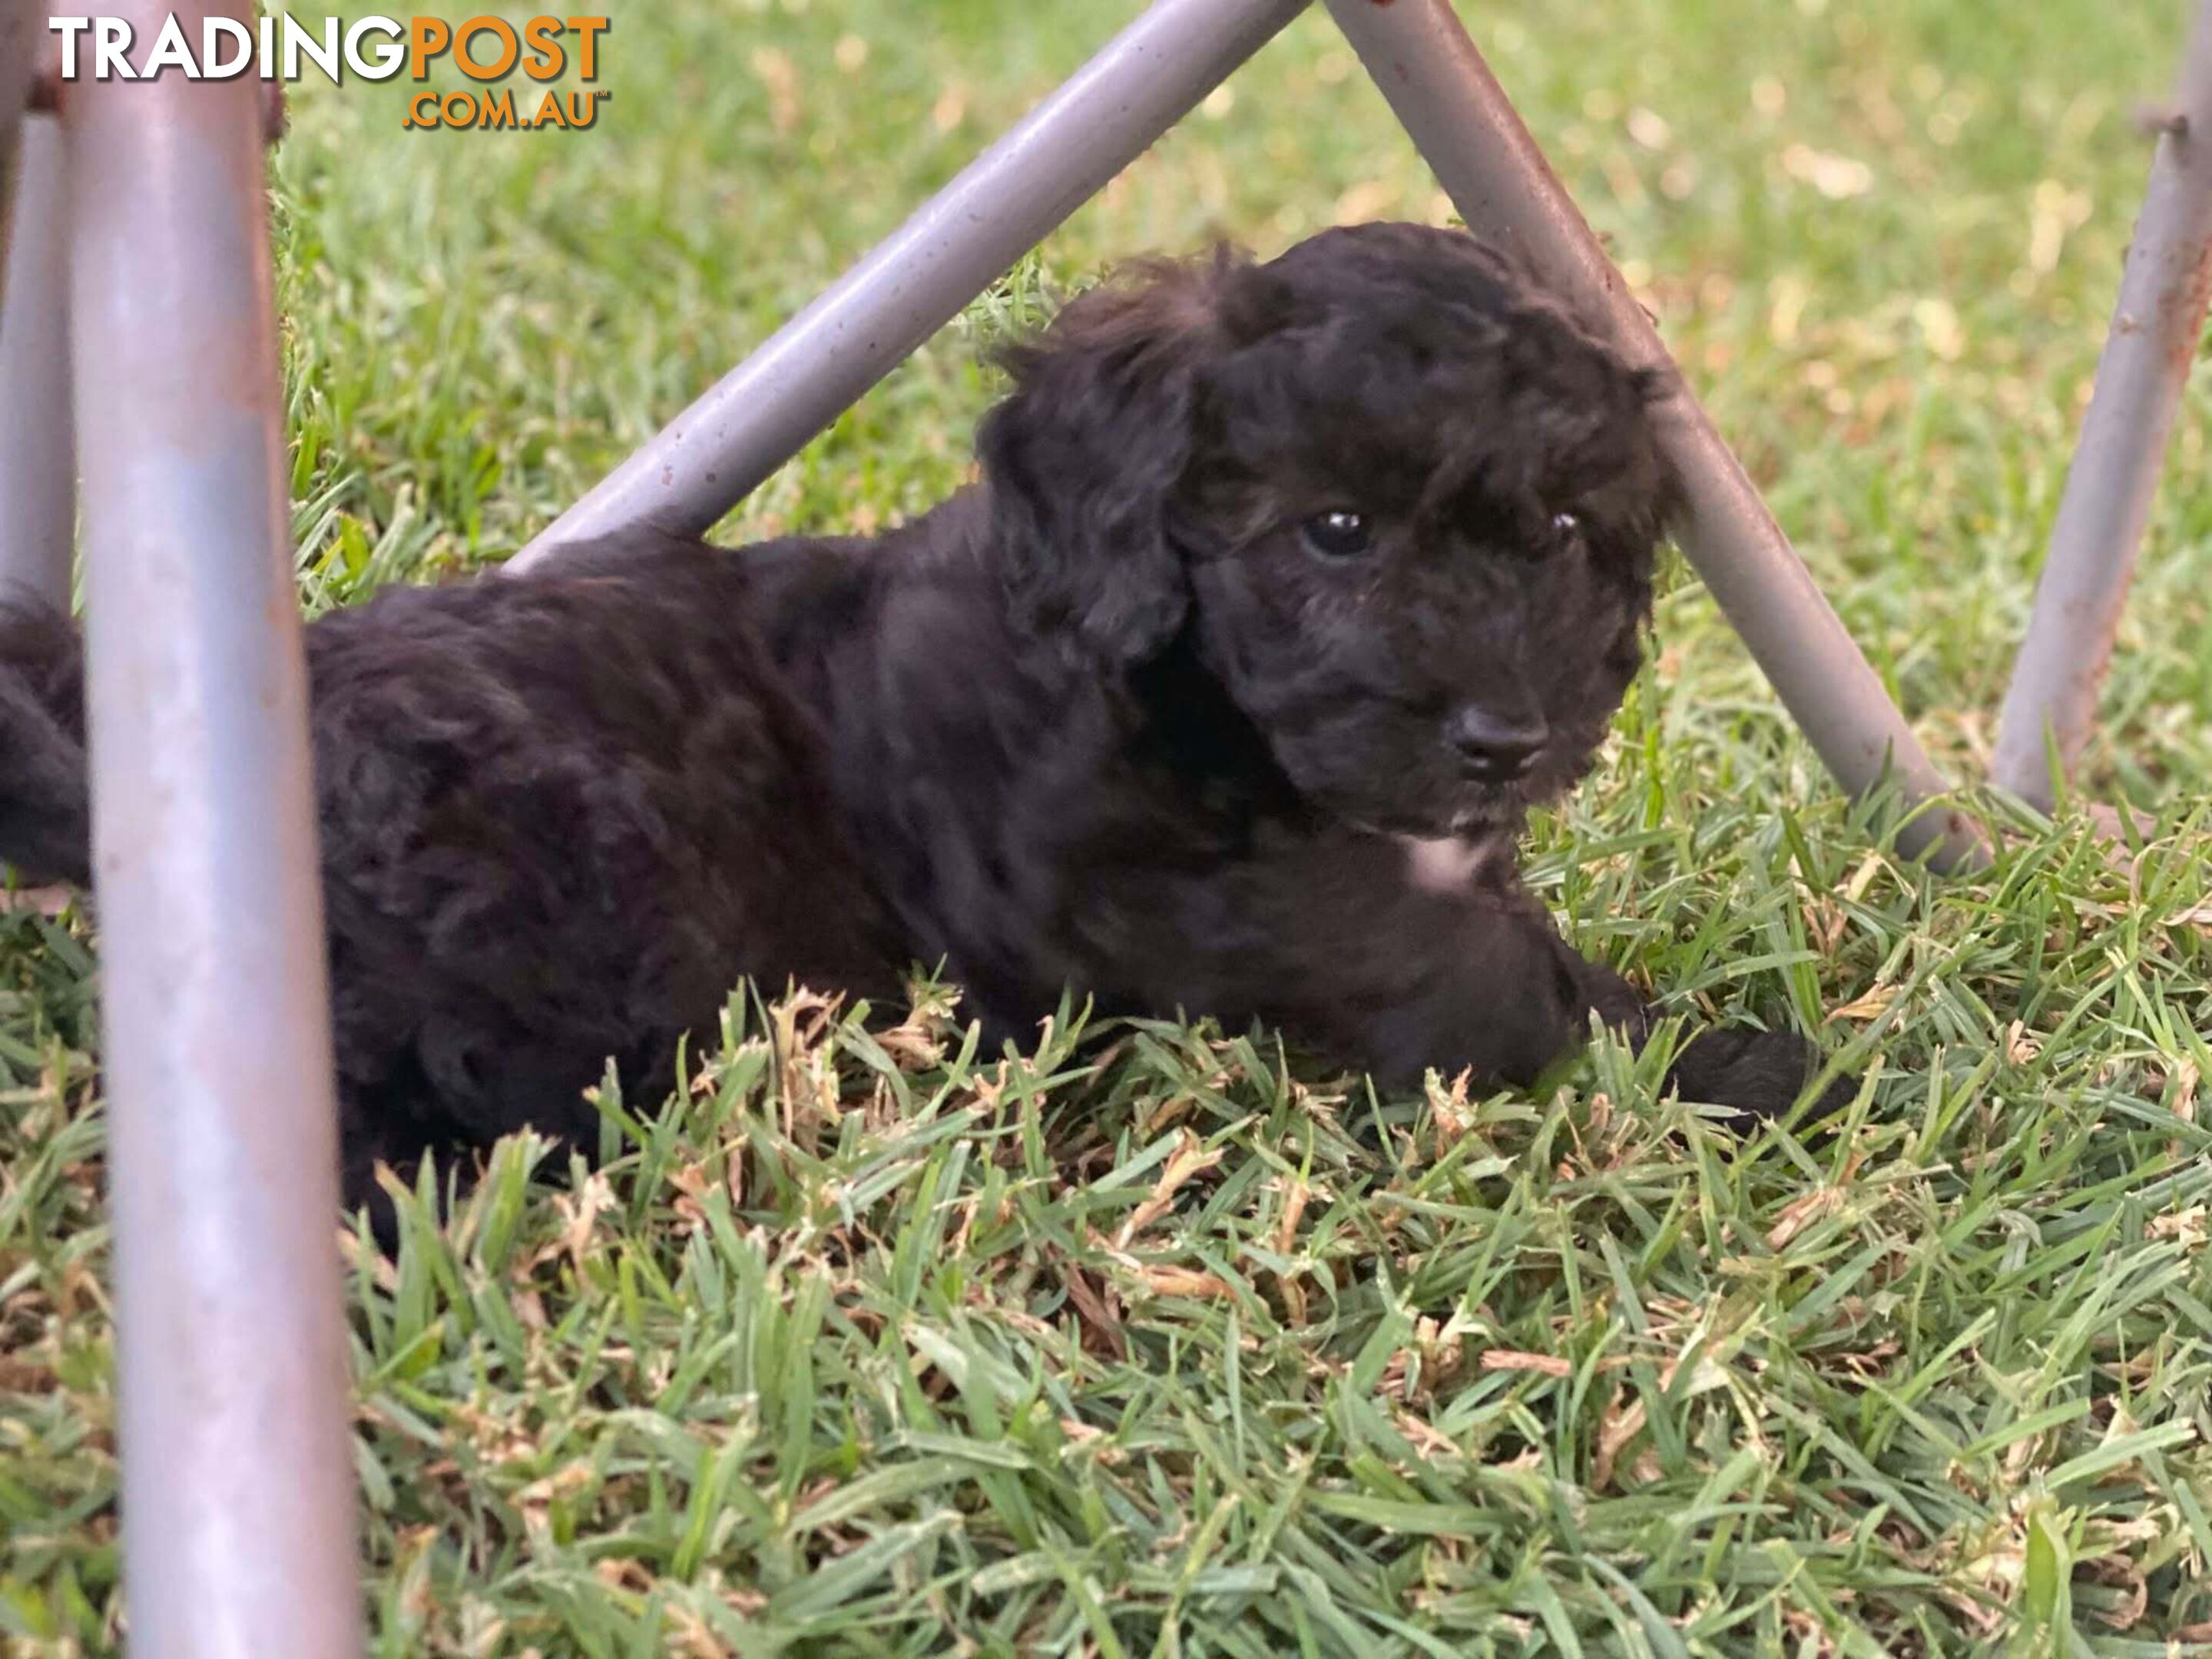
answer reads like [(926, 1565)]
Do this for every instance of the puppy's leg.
[(1392, 964), (1755, 1075), (1385, 962)]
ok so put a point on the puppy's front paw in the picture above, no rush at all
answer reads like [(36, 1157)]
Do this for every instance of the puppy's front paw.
[(1755, 1075)]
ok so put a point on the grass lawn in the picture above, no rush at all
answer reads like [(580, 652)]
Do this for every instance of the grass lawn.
[(876, 1344)]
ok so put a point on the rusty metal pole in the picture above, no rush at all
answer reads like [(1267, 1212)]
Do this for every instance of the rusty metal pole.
[(237, 1502), (38, 459), (2164, 287), (1462, 123), (19, 38)]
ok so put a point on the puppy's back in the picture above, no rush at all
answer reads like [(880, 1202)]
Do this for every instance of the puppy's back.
[(562, 815)]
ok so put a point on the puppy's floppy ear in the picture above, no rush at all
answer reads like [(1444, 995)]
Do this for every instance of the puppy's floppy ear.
[(1083, 456)]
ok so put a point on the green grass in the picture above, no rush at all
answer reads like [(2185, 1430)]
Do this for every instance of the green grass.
[(878, 1344)]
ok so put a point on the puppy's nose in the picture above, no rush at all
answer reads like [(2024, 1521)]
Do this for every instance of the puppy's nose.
[(1496, 748)]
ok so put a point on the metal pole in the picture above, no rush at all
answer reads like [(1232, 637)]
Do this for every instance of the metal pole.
[(237, 1508), (19, 39), (707, 460), (2164, 288), (38, 461), (1459, 117)]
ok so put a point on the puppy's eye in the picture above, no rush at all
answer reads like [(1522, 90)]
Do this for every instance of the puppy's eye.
[(1566, 528), (1338, 535)]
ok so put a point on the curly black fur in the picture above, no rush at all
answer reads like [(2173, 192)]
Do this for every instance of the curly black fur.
[(1119, 718)]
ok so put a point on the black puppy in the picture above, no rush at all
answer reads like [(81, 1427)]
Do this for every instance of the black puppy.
[(1279, 576)]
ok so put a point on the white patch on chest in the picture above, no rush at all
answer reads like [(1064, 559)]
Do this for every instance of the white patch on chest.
[(1449, 864)]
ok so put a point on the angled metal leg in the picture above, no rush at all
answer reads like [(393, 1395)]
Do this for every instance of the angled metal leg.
[(1459, 117), (237, 1504), (2093, 541), (711, 456), (20, 32), (38, 459)]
